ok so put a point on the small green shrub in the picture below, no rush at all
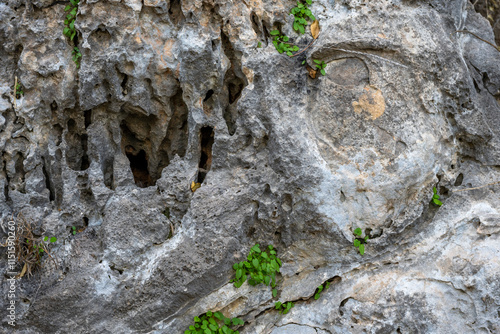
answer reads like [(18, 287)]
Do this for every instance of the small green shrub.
[(69, 23), (283, 308), (280, 43), (261, 267), (73, 229), (301, 13), (213, 323), (435, 197), (321, 288), (360, 242), (320, 65)]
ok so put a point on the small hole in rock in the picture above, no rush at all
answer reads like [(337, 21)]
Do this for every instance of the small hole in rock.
[(208, 95), (459, 180), (139, 166)]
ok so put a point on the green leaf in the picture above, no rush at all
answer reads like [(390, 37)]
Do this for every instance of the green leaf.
[(275, 293), (327, 285), (296, 26), (303, 62), (295, 48), (227, 321), (289, 54), (434, 190), (301, 29), (286, 38), (356, 243), (46, 238), (361, 249), (66, 31), (274, 32), (255, 263), (73, 35), (437, 202), (319, 62), (209, 313), (236, 266), (316, 296), (53, 239), (366, 238), (259, 45), (267, 280), (239, 272), (358, 230), (72, 25), (323, 71)]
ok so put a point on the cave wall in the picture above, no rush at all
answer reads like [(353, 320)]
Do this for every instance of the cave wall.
[(174, 92)]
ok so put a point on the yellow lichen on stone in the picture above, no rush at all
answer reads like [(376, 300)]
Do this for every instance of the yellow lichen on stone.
[(371, 101)]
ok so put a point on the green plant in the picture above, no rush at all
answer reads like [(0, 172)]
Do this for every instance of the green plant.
[(321, 288), (76, 55), (213, 323), (261, 267), (283, 308), (360, 242), (280, 43), (19, 91), (69, 23), (321, 65), (435, 197), (301, 13), (73, 229), (259, 44)]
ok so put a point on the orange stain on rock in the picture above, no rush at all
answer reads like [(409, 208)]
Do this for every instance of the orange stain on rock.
[(371, 101)]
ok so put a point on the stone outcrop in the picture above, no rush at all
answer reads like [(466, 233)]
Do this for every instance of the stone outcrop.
[(179, 91)]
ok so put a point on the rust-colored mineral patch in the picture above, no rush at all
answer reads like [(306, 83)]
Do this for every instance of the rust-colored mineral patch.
[(371, 101)]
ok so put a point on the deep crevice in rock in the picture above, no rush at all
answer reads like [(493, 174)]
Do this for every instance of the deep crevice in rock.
[(48, 184), (76, 155), (234, 83), (175, 12), (206, 142), (176, 139)]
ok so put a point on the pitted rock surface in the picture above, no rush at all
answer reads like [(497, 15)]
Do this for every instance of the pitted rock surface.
[(178, 91)]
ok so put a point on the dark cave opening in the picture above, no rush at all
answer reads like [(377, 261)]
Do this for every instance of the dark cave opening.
[(139, 166)]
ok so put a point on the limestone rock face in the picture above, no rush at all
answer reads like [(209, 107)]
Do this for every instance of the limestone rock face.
[(180, 91)]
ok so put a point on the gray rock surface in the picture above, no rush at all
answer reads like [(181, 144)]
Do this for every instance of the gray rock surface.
[(174, 92)]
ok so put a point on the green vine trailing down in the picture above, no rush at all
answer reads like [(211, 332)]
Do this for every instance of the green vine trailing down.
[(213, 323), (261, 267), (280, 44), (76, 55), (301, 13), (70, 30)]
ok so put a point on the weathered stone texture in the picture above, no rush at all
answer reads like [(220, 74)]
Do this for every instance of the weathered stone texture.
[(171, 92)]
